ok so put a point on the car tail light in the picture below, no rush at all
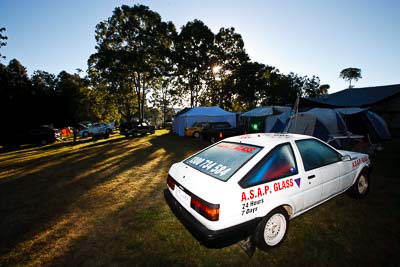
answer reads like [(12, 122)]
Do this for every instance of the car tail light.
[(170, 182), (207, 210)]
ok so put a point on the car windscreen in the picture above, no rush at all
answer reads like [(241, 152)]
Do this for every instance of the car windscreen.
[(222, 160)]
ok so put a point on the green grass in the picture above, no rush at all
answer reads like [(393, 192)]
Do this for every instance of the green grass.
[(101, 204)]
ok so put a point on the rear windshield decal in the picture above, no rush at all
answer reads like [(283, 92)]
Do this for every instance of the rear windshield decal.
[(222, 160)]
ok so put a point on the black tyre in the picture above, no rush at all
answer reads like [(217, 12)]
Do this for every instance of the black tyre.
[(196, 134), (361, 187), (272, 229), (43, 142), (85, 134)]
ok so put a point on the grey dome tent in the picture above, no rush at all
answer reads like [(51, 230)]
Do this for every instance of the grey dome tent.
[(322, 123)]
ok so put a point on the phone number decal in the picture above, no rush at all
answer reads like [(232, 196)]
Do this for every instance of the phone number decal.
[(210, 166)]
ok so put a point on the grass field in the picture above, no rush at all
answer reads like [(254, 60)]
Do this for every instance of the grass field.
[(101, 204)]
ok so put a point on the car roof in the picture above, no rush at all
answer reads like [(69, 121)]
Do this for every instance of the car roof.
[(262, 139)]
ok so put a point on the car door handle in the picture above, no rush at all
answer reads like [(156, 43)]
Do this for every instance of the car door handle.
[(311, 176)]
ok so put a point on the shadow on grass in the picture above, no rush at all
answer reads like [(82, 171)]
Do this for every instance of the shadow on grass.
[(103, 205), (48, 187)]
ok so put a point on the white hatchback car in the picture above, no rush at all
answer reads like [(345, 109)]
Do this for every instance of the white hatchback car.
[(252, 185)]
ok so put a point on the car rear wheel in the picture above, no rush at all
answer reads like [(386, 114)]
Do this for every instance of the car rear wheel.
[(272, 229), (196, 134), (43, 142), (85, 134), (361, 186)]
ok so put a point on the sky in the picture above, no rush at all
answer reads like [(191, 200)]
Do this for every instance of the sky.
[(307, 37)]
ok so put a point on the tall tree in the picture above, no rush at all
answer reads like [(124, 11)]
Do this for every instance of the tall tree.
[(311, 87), (227, 56), (324, 88), (251, 84), (165, 96), (193, 47), (283, 89), (350, 74), (69, 97), (3, 42), (45, 97), (131, 46), (16, 95)]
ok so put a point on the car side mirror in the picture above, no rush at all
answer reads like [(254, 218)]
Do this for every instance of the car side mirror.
[(346, 158)]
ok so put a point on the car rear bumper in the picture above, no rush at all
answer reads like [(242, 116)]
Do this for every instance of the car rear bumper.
[(209, 238)]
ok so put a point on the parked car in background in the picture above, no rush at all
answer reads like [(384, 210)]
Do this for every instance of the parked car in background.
[(196, 129), (43, 135), (136, 128), (15, 137), (96, 131), (252, 185), (216, 131)]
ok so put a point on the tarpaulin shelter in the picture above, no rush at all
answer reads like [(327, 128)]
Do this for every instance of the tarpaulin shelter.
[(365, 122), (383, 100), (256, 120), (197, 114)]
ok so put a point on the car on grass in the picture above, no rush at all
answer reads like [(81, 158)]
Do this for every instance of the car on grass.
[(136, 128), (216, 131), (196, 129), (99, 129), (96, 131), (41, 135), (252, 185)]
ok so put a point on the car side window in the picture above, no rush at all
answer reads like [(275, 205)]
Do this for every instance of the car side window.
[(316, 154), (278, 163)]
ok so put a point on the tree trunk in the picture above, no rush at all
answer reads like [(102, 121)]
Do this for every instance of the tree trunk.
[(139, 95), (164, 105), (141, 114), (191, 94)]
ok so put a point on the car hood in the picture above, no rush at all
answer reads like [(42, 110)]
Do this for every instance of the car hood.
[(352, 154)]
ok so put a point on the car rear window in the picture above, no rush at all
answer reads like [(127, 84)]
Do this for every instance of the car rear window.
[(222, 160)]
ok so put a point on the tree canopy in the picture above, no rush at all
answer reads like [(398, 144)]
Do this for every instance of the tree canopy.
[(143, 67), (3, 42), (350, 74), (133, 46)]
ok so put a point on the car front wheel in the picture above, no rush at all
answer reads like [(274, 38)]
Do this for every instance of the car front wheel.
[(196, 134), (361, 186), (272, 229)]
